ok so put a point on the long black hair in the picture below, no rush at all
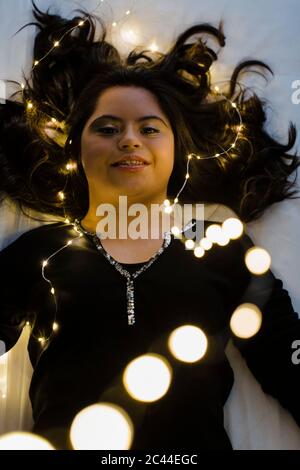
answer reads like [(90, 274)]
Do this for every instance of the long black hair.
[(61, 92)]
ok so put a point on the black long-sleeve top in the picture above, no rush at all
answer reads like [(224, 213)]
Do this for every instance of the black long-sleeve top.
[(82, 362)]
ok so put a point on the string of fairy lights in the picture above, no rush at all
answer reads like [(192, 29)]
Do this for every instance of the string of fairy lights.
[(168, 208), (213, 235), (257, 261), (72, 166)]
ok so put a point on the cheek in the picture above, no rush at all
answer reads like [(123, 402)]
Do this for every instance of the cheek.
[(164, 150), (168, 156), (93, 152)]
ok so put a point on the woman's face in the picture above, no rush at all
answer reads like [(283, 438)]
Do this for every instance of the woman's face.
[(136, 126)]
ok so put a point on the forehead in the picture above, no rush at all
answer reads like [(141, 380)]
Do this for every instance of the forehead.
[(127, 102)]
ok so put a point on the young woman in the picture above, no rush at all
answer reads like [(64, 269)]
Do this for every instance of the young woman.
[(126, 128)]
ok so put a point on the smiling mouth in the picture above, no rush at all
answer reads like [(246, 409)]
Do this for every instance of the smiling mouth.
[(123, 164), (130, 167)]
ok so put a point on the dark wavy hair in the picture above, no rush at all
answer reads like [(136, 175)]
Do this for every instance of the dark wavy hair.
[(66, 84)]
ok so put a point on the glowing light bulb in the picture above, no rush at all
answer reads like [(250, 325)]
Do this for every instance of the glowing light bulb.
[(257, 260), (214, 233), (55, 326), (175, 230), (61, 195), (153, 47), (205, 243), (147, 378), (223, 239), (71, 166), (199, 251), (233, 228), (29, 105), (36, 62), (24, 441), (52, 290), (168, 209), (246, 320), (129, 35), (189, 244), (56, 44), (188, 343), (102, 426), (44, 263), (80, 23)]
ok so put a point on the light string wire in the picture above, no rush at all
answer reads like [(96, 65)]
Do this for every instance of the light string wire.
[(198, 157), (168, 207), (55, 326), (56, 43), (71, 165)]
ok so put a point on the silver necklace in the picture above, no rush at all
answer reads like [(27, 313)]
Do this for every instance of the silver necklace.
[(129, 277)]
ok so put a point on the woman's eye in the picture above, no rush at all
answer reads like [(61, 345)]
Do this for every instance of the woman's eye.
[(106, 130), (103, 129), (151, 128)]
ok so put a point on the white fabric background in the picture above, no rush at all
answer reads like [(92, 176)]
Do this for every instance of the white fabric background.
[(265, 30)]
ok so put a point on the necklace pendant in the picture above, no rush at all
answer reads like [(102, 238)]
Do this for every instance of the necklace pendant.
[(131, 319), (130, 287), (130, 302)]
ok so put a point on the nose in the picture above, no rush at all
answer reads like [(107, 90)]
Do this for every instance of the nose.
[(129, 140)]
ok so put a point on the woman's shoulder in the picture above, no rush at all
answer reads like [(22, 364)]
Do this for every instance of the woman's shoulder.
[(19, 225), (208, 211), (217, 213), (32, 239), (207, 214)]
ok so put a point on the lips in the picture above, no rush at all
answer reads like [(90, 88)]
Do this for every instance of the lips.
[(130, 158)]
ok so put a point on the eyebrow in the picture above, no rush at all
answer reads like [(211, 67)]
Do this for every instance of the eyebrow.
[(116, 118)]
